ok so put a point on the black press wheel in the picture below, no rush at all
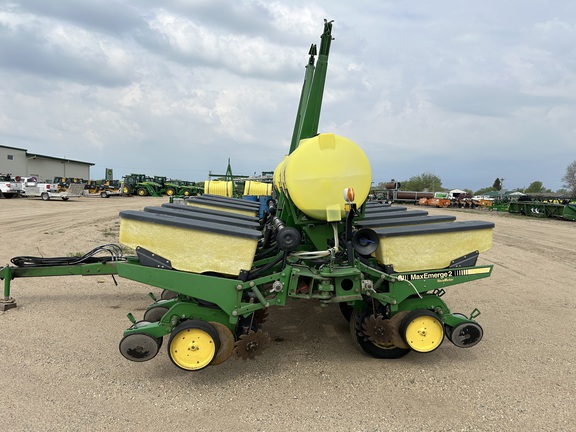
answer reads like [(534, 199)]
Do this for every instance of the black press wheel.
[(155, 313), (139, 347), (168, 295)]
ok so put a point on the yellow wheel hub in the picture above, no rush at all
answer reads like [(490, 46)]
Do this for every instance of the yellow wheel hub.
[(192, 349), (424, 333)]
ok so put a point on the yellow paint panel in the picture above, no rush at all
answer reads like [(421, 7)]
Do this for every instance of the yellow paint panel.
[(191, 250), (431, 251)]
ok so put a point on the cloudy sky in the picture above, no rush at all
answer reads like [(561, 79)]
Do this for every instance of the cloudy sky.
[(469, 91)]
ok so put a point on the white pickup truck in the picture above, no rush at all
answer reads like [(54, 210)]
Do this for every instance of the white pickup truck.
[(10, 187)]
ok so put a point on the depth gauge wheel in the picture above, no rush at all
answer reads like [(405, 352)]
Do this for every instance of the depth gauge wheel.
[(364, 344), (422, 330), (193, 345)]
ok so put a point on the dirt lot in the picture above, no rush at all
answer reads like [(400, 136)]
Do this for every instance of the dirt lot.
[(61, 370)]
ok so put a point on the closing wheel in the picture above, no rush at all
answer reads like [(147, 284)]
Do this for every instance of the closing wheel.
[(155, 313), (465, 335), (193, 345), (448, 329), (364, 344), (139, 347), (168, 295), (422, 330)]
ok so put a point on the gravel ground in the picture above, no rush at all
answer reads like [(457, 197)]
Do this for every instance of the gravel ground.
[(61, 370)]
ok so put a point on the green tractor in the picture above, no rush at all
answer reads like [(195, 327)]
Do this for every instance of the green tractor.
[(182, 188), (141, 185)]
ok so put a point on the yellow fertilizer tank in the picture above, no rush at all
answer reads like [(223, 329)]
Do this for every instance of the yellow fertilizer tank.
[(255, 188), (278, 178), (191, 245), (219, 187), (318, 171)]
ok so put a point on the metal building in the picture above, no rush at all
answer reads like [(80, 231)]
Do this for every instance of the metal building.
[(19, 162)]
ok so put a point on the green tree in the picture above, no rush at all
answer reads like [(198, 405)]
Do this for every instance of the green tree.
[(422, 182), (535, 187), (569, 179), (497, 184)]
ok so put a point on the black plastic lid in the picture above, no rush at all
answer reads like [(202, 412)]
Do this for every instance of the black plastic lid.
[(399, 221), (192, 224), (434, 228), (195, 209), (204, 216)]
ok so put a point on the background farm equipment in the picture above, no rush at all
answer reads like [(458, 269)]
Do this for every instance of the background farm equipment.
[(182, 188), (48, 191), (221, 268), (141, 185), (543, 209), (109, 188), (64, 183)]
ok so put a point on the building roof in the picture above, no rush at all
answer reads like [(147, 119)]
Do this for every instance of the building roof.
[(38, 155), (13, 148)]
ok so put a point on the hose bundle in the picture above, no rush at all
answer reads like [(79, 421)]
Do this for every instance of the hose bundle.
[(113, 253)]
